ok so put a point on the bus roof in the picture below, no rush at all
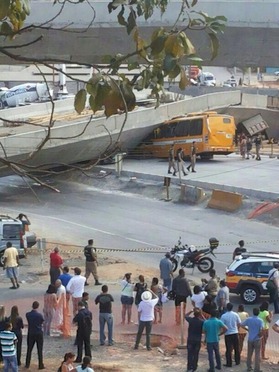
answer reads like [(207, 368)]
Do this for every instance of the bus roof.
[(196, 115)]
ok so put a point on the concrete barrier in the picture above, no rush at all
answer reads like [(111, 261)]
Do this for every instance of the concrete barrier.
[(224, 200), (191, 194)]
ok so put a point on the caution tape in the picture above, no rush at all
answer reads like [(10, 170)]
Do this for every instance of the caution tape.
[(149, 249)]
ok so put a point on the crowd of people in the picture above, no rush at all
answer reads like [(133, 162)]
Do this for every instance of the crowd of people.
[(246, 145), (211, 315)]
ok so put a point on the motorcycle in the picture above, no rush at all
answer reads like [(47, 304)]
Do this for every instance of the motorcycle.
[(189, 257)]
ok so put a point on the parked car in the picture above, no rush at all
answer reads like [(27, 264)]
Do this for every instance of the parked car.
[(247, 275), (276, 73), (231, 82), (11, 230)]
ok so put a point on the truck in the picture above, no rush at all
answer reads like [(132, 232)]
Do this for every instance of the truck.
[(206, 79), (11, 230)]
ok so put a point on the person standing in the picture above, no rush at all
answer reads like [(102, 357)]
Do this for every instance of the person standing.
[(273, 276), (172, 161), (180, 161), (17, 327), (76, 288), (166, 272), (126, 298), (266, 317), (139, 288), (50, 304), (61, 319), (182, 290), (242, 332), (35, 334), (194, 338), (193, 157), (223, 297), (258, 144), (232, 322), (159, 291), (56, 262), (243, 147), (25, 228), (3, 321), (146, 311), (255, 327), (211, 286), (83, 319), (11, 263), (91, 262), (8, 340), (249, 146), (65, 277), (213, 329), (239, 250), (105, 300)]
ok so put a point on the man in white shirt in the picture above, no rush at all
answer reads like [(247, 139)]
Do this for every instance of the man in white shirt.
[(76, 288), (146, 311), (11, 262), (232, 322)]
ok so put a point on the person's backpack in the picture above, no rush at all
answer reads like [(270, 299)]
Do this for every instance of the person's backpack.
[(270, 285)]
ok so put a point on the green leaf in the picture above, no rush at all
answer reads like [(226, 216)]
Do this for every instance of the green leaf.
[(133, 66), (128, 94), (194, 2), (6, 29), (174, 72), (26, 6), (131, 21), (184, 81), (121, 19), (157, 45), (80, 100), (214, 45), (92, 84), (169, 63), (4, 8)]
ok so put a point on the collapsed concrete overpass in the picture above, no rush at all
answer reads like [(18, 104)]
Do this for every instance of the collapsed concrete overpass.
[(79, 138), (250, 39)]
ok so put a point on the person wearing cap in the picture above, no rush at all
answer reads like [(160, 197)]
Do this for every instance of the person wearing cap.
[(76, 288), (146, 311), (166, 271), (56, 262)]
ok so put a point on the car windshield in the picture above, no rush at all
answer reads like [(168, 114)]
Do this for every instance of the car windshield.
[(11, 231)]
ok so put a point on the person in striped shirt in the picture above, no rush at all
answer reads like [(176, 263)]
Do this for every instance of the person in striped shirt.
[(8, 340)]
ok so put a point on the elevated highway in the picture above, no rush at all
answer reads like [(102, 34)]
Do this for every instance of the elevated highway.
[(250, 39), (76, 138)]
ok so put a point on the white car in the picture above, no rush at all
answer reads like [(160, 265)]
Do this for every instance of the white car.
[(276, 73), (231, 82)]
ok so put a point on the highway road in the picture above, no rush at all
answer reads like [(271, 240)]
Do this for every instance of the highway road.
[(127, 221)]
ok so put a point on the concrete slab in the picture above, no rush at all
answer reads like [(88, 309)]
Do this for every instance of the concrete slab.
[(257, 179)]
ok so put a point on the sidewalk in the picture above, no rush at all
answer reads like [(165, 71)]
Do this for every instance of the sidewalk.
[(258, 179)]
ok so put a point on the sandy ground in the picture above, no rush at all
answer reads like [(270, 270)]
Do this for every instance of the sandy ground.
[(165, 356)]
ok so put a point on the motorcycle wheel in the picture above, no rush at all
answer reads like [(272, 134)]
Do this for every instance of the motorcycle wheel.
[(174, 264), (205, 264)]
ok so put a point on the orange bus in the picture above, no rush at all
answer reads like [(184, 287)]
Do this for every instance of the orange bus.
[(213, 133)]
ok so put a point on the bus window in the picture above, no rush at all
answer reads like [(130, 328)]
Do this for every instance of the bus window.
[(182, 129), (226, 120), (195, 127)]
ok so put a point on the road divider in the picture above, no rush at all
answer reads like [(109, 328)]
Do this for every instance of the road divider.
[(225, 200)]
